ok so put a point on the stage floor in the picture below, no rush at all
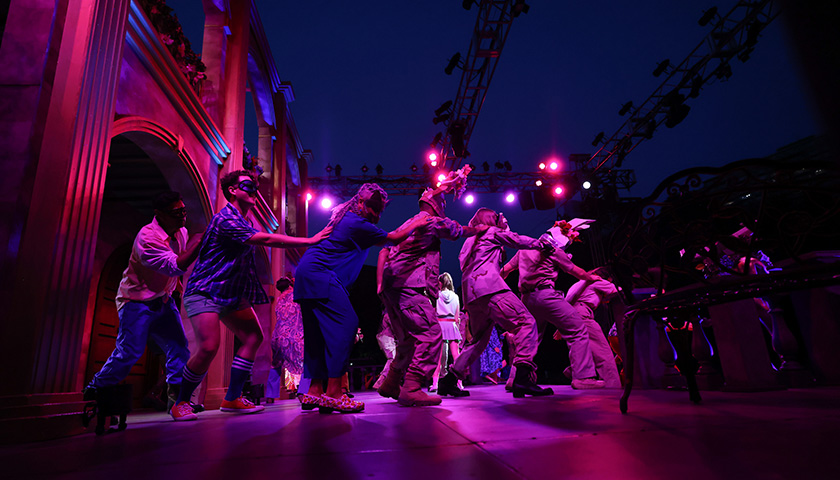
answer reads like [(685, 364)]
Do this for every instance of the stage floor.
[(788, 434)]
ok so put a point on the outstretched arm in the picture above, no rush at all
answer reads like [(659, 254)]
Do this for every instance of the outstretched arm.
[(397, 236), (278, 240), (190, 253)]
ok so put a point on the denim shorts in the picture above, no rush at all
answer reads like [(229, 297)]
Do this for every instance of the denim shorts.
[(197, 303)]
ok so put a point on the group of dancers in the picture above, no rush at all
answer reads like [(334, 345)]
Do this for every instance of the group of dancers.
[(223, 288)]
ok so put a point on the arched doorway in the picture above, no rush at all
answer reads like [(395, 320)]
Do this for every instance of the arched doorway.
[(141, 164)]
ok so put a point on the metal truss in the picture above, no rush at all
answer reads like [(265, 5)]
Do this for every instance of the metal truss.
[(488, 38), (490, 182), (733, 36)]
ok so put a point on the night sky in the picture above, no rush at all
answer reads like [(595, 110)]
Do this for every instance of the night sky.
[(367, 77)]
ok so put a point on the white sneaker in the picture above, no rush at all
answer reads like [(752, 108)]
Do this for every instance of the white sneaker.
[(588, 384)]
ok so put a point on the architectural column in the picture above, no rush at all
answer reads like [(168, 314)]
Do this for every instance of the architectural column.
[(44, 326)]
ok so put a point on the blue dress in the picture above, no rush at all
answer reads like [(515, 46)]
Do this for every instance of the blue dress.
[(324, 275)]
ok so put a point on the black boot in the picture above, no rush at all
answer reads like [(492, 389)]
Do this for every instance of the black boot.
[(523, 384), (448, 385)]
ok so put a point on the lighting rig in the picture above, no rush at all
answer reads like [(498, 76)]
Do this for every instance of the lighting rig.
[(733, 35), (477, 67)]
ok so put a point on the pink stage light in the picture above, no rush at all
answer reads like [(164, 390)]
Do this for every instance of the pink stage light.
[(470, 199), (510, 198), (558, 190), (553, 165), (308, 197), (438, 184), (538, 183), (434, 163), (441, 177), (326, 203), (542, 165), (432, 157)]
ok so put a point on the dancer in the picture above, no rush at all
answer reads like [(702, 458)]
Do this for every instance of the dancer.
[(585, 297), (385, 337), (324, 275), (448, 309), (223, 287), (286, 341), (489, 301), (410, 283), (160, 254), (537, 276)]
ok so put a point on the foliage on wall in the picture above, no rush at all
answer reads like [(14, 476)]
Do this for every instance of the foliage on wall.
[(170, 33)]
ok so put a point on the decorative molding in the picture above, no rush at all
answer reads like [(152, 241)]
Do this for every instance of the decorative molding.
[(143, 40)]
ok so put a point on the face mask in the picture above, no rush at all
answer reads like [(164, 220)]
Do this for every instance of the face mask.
[(248, 187)]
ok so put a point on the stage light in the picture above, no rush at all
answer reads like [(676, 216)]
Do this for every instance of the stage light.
[(470, 199), (337, 170), (328, 169), (379, 169), (485, 166), (438, 184), (441, 118), (508, 166), (434, 163), (499, 165), (553, 165), (510, 198), (446, 105), (707, 16), (587, 185), (326, 203), (660, 68), (558, 190), (453, 62), (364, 168), (441, 177), (598, 139), (625, 108), (436, 140), (542, 165), (413, 168), (433, 157), (538, 183), (308, 197)]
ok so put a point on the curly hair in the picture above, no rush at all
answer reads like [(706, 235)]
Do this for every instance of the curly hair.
[(366, 192)]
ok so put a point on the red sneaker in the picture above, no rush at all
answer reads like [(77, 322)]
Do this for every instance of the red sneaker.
[(182, 412), (240, 405)]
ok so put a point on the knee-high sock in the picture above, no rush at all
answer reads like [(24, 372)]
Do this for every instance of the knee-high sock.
[(189, 382), (240, 371)]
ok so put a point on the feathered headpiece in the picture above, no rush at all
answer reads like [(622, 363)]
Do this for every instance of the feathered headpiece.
[(565, 232)]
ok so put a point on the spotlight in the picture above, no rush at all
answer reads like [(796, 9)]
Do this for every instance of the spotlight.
[(364, 168), (453, 62), (707, 16), (558, 190), (676, 114), (326, 203), (457, 129), (520, 7), (436, 140), (625, 108), (441, 118), (467, 4), (308, 197), (485, 166), (696, 85), (598, 139), (434, 163), (724, 71), (553, 166), (661, 67), (508, 166), (542, 165), (441, 177), (538, 183), (499, 165), (379, 169), (413, 168), (587, 185), (337, 170), (470, 199), (432, 157), (441, 109), (328, 169), (437, 184), (510, 198)]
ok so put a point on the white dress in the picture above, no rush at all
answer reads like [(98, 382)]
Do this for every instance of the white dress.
[(448, 310)]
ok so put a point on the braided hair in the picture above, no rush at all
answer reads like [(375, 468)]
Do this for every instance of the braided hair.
[(365, 193)]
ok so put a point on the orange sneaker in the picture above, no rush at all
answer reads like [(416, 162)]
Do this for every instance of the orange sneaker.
[(240, 405), (182, 412)]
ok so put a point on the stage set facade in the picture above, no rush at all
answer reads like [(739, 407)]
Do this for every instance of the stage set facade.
[(105, 105)]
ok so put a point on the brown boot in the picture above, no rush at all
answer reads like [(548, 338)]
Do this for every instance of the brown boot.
[(412, 395), (390, 387)]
